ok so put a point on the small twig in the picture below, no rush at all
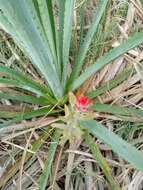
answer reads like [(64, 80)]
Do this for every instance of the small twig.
[(57, 167), (23, 161)]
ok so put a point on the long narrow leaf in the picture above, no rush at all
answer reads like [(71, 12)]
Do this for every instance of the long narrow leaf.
[(46, 18), (82, 13), (118, 110), (118, 145), (50, 5), (22, 81), (107, 58), (48, 164), (24, 98), (7, 114), (36, 145), (19, 18), (45, 97), (110, 84), (88, 39), (67, 32), (61, 28), (101, 161), (29, 115)]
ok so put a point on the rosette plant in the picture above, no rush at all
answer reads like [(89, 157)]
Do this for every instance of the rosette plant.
[(45, 38)]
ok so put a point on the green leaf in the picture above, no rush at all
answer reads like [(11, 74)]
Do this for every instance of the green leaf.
[(45, 96), (24, 98), (107, 58), (118, 145), (29, 115), (101, 161), (67, 33), (36, 145), (7, 114), (110, 84), (20, 19), (83, 49), (46, 16), (82, 13), (22, 81), (117, 110), (48, 163), (61, 28)]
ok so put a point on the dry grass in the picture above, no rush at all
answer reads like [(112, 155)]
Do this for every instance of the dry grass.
[(74, 167)]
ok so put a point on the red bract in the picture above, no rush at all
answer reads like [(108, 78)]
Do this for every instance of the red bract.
[(83, 103)]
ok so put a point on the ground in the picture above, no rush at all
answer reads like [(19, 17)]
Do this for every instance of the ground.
[(122, 19)]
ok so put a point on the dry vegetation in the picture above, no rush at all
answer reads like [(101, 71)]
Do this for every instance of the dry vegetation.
[(22, 154)]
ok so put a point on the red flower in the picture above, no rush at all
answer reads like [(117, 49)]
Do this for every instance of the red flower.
[(83, 103)]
